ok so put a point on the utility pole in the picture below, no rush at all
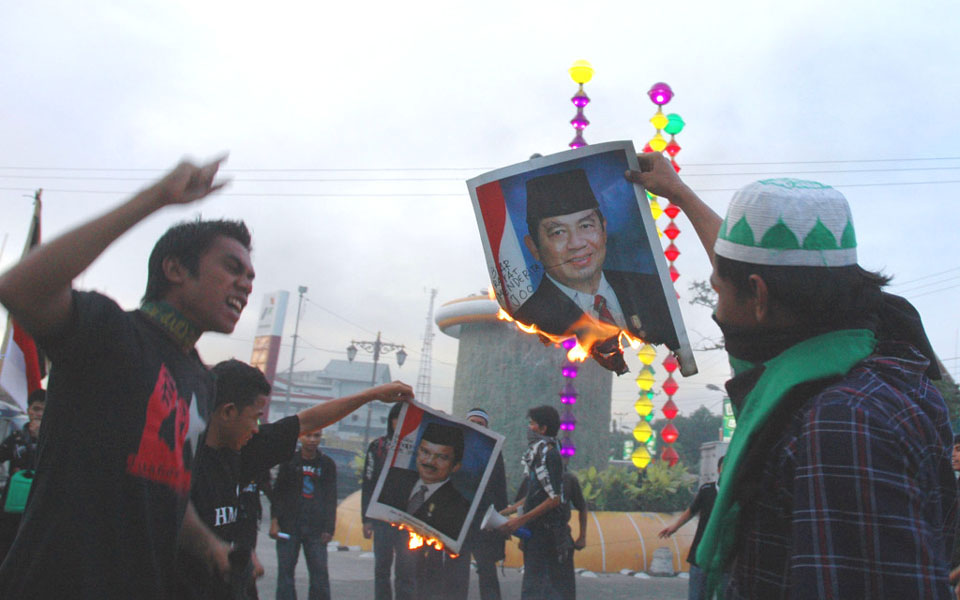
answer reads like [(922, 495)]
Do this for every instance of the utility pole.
[(426, 356), (293, 351), (377, 347)]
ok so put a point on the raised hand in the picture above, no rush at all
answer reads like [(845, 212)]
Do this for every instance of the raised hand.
[(396, 391), (188, 182)]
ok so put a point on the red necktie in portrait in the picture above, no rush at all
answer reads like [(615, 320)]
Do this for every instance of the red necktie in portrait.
[(600, 305)]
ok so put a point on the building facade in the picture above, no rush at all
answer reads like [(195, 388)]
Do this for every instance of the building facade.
[(339, 378)]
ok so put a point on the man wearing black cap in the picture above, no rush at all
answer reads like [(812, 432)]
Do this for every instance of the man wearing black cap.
[(428, 494), (568, 235)]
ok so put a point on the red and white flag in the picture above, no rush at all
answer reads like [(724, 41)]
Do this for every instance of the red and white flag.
[(509, 275), (21, 365)]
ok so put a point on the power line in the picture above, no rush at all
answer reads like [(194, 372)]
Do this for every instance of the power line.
[(819, 171), (901, 283), (254, 170), (342, 318), (458, 179), (445, 195), (914, 288), (821, 162), (934, 291), (475, 168), (259, 180)]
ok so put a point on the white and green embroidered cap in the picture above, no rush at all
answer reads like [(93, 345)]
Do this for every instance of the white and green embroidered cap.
[(788, 222)]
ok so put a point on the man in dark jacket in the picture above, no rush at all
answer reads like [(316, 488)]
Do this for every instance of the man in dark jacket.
[(20, 448), (487, 547), (304, 513), (388, 541)]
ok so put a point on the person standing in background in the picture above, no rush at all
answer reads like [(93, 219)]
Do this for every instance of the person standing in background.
[(304, 513)]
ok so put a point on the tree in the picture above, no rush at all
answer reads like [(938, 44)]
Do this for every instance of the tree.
[(694, 430)]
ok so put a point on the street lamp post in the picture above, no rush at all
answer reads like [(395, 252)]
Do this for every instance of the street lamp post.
[(293, 351), (377, 347)]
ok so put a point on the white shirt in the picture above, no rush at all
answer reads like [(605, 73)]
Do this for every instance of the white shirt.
[(586, 301), (431, 488)]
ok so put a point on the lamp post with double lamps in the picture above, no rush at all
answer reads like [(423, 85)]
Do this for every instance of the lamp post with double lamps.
[(377, 347)]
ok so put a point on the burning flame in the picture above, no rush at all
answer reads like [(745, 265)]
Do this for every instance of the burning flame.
[(590, 332), (418, 541)]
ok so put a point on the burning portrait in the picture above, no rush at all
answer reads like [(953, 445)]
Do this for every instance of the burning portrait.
[(436, 470), (572, 250)]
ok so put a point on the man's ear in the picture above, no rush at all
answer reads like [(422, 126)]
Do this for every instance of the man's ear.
[(455, 468), (228, 410), (174, 270), (760, 298), (532, 247)]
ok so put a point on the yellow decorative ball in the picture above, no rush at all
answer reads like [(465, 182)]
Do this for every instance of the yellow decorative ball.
[(658, 143), (640, 457), (581, 72), (642, 432)]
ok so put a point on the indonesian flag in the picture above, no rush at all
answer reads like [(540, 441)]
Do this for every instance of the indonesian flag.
[(408, 428), (21, 365), (508, 273)]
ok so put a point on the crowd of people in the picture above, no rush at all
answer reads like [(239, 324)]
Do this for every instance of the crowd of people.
[(148, 465)]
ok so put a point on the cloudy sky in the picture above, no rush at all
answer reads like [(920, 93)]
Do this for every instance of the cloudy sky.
[(352, 127)]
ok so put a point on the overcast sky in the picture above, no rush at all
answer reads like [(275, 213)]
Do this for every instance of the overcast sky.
[(316, 100)]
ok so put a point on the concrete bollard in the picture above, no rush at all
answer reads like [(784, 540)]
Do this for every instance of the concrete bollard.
[(662, 563)]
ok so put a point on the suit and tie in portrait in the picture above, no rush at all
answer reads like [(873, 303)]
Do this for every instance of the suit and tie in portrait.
[(568, 236), (428, 494)]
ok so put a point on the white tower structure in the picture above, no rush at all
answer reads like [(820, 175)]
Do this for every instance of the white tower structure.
[(422, 390)]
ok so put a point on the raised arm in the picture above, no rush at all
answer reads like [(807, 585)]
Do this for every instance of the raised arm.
[(657, 176), (331, 411), (36, 290)]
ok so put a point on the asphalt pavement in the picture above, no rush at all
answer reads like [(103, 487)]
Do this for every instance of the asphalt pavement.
[(351, 578)]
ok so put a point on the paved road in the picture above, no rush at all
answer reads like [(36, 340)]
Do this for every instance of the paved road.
[(351, 575)]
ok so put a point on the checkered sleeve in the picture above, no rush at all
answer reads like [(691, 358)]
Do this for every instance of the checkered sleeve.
[(866, 502), (549, 472)]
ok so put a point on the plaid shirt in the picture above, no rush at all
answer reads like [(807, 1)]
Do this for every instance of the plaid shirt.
[(854, 496)]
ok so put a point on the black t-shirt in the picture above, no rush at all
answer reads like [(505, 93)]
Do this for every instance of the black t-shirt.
[(217, 475), (702, 506), (116, 446)]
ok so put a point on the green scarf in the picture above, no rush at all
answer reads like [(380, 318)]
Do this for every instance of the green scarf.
[(173, 323), (826, 355)]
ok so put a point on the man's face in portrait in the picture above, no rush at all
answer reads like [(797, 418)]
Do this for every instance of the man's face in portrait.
[(435, 462), (955, 457), (572, 248)]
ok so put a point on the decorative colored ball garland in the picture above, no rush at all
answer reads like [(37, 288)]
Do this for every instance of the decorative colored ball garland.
[(581, 72), (671, 124), (568, 397)]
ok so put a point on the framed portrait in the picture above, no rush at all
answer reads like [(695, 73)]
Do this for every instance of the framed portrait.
[(436, 471), (572, 248)]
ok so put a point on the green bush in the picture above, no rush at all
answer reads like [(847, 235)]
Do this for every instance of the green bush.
[(614, 488), (659, 488), (665, 488)]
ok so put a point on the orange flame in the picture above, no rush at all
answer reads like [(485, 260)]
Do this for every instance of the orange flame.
[(588, 331), (418, 541)]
